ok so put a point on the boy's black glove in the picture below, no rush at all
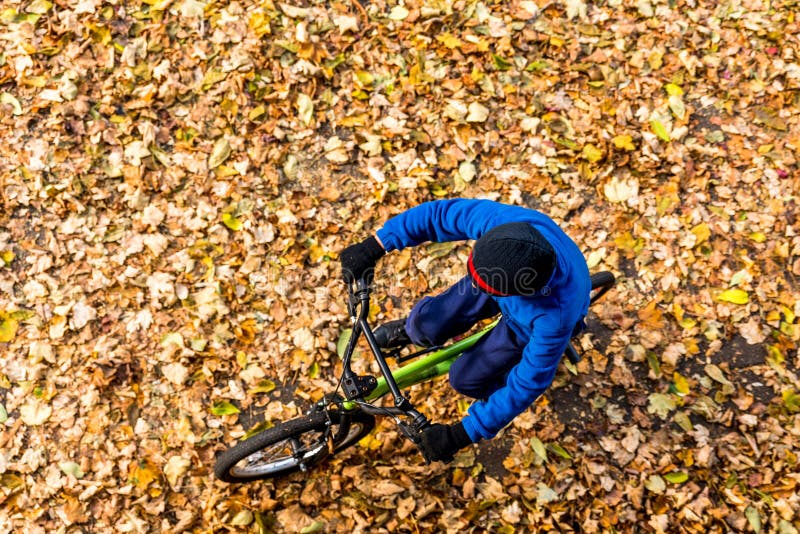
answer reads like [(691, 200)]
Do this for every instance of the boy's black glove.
[(358, 261), (440, 442)]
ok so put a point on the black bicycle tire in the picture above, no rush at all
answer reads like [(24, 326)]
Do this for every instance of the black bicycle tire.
[(603, 281), (228, 459)]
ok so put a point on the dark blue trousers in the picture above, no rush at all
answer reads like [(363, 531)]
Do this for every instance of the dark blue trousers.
[(481, 369)]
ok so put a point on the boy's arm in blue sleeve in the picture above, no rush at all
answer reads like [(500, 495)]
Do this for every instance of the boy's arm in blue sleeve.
[(527, 380), (439, 221)]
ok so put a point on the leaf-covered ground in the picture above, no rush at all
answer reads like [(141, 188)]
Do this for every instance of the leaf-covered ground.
[(177, 178)]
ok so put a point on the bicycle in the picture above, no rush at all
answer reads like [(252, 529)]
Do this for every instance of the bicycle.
[(335, 423)]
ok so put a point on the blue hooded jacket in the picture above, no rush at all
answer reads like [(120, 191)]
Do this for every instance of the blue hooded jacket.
[(546, 320)]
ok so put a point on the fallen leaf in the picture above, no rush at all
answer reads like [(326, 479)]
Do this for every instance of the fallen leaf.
[(71, 468), (305, 108), (624, 142), (538, 448), (467, 171), (223, 408), (477, 112), (176, 467), (398, 12), (220, 153), (660, 404), (142, 474), (592, 153), (8, 327), (754, 518), (621, 190), (10, 100), (770, 117), (35, 413), (660, 130), (734, 296), (655, 484), (676, 477)]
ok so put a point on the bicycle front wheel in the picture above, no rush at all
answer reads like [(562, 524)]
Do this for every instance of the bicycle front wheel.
[(291, 446)]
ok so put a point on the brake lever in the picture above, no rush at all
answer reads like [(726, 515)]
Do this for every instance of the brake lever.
[(412, 436)]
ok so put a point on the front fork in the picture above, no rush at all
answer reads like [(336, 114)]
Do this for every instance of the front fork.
[(361, 386)]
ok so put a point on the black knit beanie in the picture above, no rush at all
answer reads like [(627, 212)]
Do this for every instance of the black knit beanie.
[(512, 259)]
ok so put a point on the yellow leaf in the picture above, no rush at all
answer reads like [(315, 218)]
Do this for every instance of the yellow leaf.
[(231, 222), (677, 311), (592, 153), (370, 442), (223, 408), (364, 78), (676, 477), (702, 232), (8, 328), (256, 112), (40, 7), (734, 296), (35, 81), (765, 149), (758, 237), (627, 242), (449, 40), (211, 78), (353, 120), (7, 256), (660, 130), (673, 90), (224, 171), (624, 142), (263, 386), (142, 474), (655, 60), (681, 384), (259, 23), (316, 253), (158, 5)]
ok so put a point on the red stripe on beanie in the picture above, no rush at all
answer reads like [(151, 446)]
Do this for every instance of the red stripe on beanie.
[(478, 280)]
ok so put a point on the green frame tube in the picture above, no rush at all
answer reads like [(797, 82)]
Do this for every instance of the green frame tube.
[(430, 366)]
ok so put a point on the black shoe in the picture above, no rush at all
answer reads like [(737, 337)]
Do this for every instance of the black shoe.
[(392, 334)]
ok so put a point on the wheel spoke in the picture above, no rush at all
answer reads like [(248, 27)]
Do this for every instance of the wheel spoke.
[(296, 445)]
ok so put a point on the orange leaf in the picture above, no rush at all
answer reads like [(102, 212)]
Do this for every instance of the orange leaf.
[(651, 316)]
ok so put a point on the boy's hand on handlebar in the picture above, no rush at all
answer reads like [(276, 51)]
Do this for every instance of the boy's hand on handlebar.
[(439, 443), (358, 261)]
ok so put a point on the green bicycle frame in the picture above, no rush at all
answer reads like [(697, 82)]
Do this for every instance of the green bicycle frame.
[(435, 364)]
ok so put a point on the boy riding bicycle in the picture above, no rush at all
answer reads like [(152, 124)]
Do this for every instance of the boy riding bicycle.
[(524, 267)]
